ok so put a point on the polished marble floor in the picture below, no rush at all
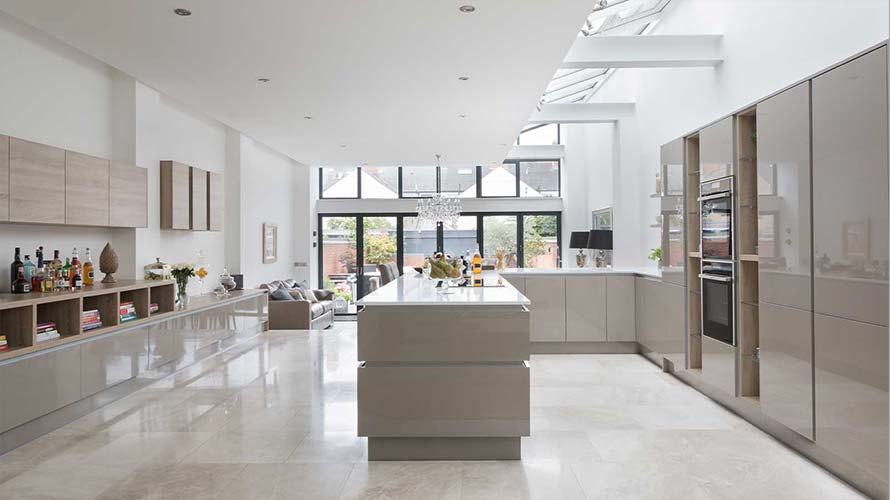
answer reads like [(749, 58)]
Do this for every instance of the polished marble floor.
[(275, 419)]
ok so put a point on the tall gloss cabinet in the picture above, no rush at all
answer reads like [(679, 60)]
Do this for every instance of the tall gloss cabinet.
[(850, 244)]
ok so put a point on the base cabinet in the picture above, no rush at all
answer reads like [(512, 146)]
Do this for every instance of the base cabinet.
[(620, 309), (547, 321), (586, 309)]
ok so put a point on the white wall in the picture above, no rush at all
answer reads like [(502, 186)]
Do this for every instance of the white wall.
[(767, 46), (64, 98)]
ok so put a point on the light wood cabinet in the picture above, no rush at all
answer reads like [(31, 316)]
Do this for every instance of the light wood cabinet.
[(547, 321), (86, 190), (716, 150), (175, 195), (128, 195), (198, 199), (585, 308), (4, 178), (36, 168), (620, 309), (215, 201)]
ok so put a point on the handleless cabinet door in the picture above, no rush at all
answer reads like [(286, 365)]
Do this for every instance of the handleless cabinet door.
[(175, 195), (716, 149), (129, 195), (620, 309), (547, 321), (198, 200), (36, 168), (518, 283), (786, 366), (851, 391), (4, 178), (850, 190), (672, 334), (86, 190), (215, 201), (585, 308), (783, 171)]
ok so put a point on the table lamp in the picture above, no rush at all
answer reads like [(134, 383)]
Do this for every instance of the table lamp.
[(579, 240), (601, 240)]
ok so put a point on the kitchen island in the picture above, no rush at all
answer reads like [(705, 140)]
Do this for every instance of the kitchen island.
[(443, 374)]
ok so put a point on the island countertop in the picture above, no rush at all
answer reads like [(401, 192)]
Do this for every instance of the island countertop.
[(412, 289)]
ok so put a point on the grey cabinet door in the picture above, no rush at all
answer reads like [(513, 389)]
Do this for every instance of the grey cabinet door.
[(850, 190), (673, 234), (671, 341), (783, 171), (36, 386), (851, 391), (4, 178), (621, 309), (585, 308), (716, 150), (650, 314), (547, 321)]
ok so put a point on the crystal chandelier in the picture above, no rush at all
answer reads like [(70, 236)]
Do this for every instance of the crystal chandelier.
[(438, 208)]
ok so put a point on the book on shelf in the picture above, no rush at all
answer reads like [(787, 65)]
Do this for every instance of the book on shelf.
[(153, 308), (128, 317), (3, 344), (92, 325), (48, 335)]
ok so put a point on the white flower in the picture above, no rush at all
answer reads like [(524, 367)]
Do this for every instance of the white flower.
[(183, 266)]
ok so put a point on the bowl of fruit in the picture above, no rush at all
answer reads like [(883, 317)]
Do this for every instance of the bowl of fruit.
[(440, 267)]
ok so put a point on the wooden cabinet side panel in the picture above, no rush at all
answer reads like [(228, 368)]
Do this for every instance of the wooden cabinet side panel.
[(4, 178), (34, 167), (86, 190), (215, 201), (128, 196), (198, 199)]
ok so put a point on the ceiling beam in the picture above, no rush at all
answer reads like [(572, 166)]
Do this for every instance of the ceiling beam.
[(650, 51), (591, 112)]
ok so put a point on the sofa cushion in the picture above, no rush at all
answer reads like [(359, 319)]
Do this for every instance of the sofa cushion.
[(280, 294), (307, 294), (327, 304), (317, 309), (289, 283), (295, 293)]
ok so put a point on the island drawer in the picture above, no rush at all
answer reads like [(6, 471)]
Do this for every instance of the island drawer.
[(443, 400), (443, 334)]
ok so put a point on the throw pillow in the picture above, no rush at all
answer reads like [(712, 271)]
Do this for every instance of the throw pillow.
[(280, 294), (307, 293), (296, 294), (289, 283)]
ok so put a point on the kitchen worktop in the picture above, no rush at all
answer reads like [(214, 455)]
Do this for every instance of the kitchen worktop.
[(586, 271), (412, 289)]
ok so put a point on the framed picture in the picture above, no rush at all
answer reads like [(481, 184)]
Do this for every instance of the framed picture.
[(856, 239), (270, 243)]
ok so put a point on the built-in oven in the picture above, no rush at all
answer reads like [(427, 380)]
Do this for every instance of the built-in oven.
[(718, 297), (716, 219)]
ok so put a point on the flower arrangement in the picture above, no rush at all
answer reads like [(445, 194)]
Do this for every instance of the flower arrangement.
[(181, 273)]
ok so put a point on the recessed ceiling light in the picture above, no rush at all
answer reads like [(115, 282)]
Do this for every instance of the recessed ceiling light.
[(307, 117), (263, 80), (342, 146), (503, 144), (182, 12), (466, 9), (462, 116), (463, 78)]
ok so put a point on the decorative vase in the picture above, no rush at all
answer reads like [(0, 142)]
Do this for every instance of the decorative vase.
[(108, 263), (581, 259), (182, 297)]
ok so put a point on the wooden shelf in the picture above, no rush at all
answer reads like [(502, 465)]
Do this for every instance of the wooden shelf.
[(749, 257), (695, 255)]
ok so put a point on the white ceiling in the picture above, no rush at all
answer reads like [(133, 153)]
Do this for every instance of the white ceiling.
[(380, 76)]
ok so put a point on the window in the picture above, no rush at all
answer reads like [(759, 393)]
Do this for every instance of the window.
[(499, 180), (538, 179), (420, 241), (546, 134), (456, 240), (540, 241), (458, 181), (419, 182), (500, 232), (380, 182), (339, 182)]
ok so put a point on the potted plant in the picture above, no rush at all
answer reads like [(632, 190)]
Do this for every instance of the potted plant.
[(181, 273), (655, 255)]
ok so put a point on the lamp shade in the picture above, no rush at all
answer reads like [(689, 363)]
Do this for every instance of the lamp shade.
[(600, 239), (579, 239)]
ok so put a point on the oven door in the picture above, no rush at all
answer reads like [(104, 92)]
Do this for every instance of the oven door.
[(716, 226), (716, 309)]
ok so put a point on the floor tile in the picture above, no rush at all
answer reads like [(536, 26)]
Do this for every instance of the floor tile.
[(404, 481)]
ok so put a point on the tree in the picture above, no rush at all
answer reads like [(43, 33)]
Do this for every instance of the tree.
[(536, 229), (380, 248)]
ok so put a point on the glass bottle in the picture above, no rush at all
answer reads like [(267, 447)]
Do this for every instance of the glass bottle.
[(75, 266), (37, 279), (202, 269), (56, 264), (39, 254), (49, 281), (88, 272), (14, 268), (477, 261), (20, 284), (29, 268), (62, 280)]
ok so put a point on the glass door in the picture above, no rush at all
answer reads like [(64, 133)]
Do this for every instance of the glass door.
[(540, 241), (339, 266), (500, 231), (379, 246)]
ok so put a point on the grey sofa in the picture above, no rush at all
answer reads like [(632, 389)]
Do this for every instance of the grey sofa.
[(289, 313)]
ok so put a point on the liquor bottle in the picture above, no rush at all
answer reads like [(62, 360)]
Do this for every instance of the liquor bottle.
[(62, 281), (477, 261), (88, 273), (49, 281), (30, 268), (56, 264), (39, 254), (76, 277), (21, 285), (75, 265), (37, 279), (14, 268)]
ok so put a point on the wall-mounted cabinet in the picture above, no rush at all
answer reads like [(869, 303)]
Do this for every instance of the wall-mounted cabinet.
[(175, 195), (4, 178), (716, 150), (129, 195), (87, 190), (33, 165), (215, 201), (198, 201)]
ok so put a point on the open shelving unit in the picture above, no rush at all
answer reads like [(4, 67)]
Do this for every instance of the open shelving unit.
[(748, 265), (693, 255), (20, 314)]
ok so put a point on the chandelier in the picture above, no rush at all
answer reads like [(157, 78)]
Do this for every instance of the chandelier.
[(438, 208)]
